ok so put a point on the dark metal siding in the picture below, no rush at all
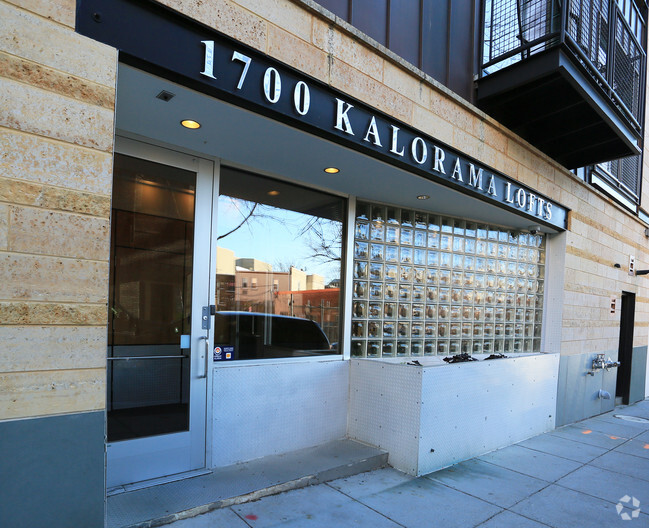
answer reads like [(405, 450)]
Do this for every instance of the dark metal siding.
[(435, 32), (404, 31), (338, 7), (438, 36), (461, 47), (371, 17)]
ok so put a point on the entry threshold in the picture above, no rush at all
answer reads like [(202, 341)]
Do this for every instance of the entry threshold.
[(171, 501), (156, 482)]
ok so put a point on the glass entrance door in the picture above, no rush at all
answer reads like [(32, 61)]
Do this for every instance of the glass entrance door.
[(157, 346)]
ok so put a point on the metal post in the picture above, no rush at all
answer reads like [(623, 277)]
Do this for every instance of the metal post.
[(610, 63), (491, 33), (564, 20)]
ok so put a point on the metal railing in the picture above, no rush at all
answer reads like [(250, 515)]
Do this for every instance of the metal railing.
[(595, 31)]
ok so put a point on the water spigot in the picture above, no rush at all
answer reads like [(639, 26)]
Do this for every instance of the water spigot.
[(600, 363)]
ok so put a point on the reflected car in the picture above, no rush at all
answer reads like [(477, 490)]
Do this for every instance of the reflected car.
[(252, 335)]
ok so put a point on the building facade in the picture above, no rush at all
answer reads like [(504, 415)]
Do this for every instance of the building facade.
[(441, 179)]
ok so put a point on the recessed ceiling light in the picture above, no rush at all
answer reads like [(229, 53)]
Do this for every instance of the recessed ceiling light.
[(332, 170), (273, 193), (423, 197), (190, 123)]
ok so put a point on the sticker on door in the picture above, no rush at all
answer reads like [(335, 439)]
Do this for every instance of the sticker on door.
[(223, 353)]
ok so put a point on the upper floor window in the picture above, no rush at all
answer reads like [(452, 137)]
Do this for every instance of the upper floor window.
[(620, 178), (632, 15)]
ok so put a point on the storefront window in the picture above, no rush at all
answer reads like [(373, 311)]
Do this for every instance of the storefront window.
[(426, 285), (278, 268)]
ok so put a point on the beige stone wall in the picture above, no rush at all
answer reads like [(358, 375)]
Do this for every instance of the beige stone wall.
[(57, 94), (601, 234), (305, 36), (644, 201)]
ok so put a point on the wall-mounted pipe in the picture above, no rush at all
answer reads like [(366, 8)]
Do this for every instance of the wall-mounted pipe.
[(604, 395), (600, 363)]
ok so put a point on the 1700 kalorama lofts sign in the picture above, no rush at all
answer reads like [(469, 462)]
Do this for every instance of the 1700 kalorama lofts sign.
[(212, 63)]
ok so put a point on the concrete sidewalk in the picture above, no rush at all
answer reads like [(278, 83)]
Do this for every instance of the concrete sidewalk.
[(591, 474)]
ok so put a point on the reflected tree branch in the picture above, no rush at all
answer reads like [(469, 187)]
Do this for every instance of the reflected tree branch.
[(241, 224), (326, 244)]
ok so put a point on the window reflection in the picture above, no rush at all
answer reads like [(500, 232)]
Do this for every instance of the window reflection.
[(278, 269)]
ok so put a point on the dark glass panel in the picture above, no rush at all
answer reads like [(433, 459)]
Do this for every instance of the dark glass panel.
[(149, 298)]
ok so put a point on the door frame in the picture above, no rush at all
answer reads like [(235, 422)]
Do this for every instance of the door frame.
[(625, 346), (132, 456)]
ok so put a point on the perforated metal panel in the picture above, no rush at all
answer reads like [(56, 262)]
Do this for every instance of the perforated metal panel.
[(269, 409), (384, 409)]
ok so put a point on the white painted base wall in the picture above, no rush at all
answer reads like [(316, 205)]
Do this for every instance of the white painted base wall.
[(275, 408), (436, 415)]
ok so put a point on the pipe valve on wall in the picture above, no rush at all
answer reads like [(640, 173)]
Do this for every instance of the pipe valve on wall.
[(600, 363)]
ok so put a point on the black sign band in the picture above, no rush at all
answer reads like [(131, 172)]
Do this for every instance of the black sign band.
[(207, 61)]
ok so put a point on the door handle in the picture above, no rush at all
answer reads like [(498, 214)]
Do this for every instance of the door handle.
[(206, 355)]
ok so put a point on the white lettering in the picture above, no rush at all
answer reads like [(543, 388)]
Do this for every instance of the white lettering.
[(547, 211), (457, 171), (273, 92), (373, 131), (208, 69), (301, 98), (439, 160), (416, 146), (246, 64), (521, 198), (419, 146), (475, 180), (342, 119), (491, 189), (395, 140)]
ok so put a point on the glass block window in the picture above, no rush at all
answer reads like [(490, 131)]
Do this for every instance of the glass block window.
[(426, 284)]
